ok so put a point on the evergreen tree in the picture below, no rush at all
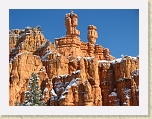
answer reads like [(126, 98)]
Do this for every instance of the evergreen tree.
[(39, 28), (34, 93)]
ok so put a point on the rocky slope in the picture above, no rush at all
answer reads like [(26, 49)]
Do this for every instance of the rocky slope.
[(71, 72)]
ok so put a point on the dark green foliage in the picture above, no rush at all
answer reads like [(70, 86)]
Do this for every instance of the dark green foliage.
[(34, 93), (39, 28)]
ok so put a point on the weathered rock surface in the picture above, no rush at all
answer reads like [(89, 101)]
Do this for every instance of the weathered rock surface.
[(71, 72)]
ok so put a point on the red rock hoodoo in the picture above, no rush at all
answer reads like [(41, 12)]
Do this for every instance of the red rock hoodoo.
[(71, 72)]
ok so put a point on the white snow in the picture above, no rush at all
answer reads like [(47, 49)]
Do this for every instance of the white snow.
[(105, 64), (21, 35), (42, 45), (78, 58), (74, 82), (102, 61), (127, 96), (67, 14), (103, 82), (62, 76), (117, 60), (62, 96), (59, 55), (134, 58), (46, 89), (29, 103), (122, 55), (15, 57), (90, 25), (77, 71), (113, 94), (42, 69), (26, 92), (28, 27), (66, 83), (20, 53), (59, 86), (120, 79), (127, 90), (52, 98), (88, 58), (28, 33), (44, 57), (137, 90), (53, 93), (71, 60), (135, 72)]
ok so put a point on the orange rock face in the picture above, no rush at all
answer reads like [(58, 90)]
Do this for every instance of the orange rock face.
[(71, 72)]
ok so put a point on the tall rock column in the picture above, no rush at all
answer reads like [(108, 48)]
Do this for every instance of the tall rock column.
[(96, 90), (71, 22), (106, 77), (92, 36)]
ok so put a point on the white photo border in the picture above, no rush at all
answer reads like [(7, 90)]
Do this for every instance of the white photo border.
[(142, 109)]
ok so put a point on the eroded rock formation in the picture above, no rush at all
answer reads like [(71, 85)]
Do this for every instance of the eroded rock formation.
[(71, 72)]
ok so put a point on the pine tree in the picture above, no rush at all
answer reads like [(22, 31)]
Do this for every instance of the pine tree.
[(34, 93), (39, 28)]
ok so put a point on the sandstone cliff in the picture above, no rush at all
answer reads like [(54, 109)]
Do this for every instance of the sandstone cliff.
[(71, 72)]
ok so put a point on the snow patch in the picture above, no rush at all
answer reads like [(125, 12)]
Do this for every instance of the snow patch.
[(116, 61), (74, 82), (28, 27), (120, 79), (76, 72), (113, 94), (135, 72), (137, 90), (88, 58), (44, 57), (78, 58), (126, 92), (46, 89), (53, 92), (102, 61), (58, 55), (71, 60), (66, 75), (134, 58), (62, 96)]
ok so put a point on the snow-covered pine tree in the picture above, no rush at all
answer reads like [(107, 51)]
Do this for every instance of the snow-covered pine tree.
[(34, 93)]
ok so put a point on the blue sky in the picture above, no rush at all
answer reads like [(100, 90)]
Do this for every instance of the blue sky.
[(117, 29)]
